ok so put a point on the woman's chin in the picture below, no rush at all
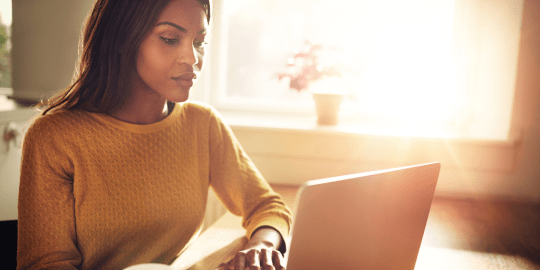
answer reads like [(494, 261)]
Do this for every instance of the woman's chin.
[(180, 97)]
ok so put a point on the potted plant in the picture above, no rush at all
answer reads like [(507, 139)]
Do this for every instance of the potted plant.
[(316, 68)]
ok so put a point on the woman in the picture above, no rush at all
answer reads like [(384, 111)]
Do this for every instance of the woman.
[(116, 170)]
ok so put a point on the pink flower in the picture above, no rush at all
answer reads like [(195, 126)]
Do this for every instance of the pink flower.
[(306, 66)]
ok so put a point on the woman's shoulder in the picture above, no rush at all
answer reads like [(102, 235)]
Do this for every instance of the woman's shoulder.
[(58, 121)]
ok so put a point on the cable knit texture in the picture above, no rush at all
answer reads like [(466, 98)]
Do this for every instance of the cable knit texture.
[(99, 193)]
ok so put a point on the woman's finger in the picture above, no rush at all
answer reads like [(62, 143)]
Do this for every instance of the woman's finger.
[(239, 261), (266, 260), (252, 259), (226, 266), (223, 266), (277, 260)]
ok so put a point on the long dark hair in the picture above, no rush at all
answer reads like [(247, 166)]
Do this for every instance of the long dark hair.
[(111, 38)]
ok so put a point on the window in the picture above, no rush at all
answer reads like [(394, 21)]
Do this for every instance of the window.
[(446, 66), (5, 44)]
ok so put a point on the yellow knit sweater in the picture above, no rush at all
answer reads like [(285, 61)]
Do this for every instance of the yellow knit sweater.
[(99, 193)]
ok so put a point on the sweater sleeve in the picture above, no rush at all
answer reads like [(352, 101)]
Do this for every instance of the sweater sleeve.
[(241, 187), (47, 237)]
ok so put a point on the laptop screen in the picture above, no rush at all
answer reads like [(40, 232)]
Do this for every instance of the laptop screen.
[(372, 220)]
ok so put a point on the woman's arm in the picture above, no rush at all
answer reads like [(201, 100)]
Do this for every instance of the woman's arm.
[(46, 222), (245, 192)]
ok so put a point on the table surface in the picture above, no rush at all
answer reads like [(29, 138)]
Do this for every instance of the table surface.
[(460, 234)]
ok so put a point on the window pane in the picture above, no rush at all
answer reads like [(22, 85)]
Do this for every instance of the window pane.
[(439, 66), (401, 50), (5, 44), (261, 35)]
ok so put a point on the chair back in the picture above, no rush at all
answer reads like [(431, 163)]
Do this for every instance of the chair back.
[(8, 244)]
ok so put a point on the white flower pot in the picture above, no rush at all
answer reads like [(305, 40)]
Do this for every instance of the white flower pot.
[(327, 107)]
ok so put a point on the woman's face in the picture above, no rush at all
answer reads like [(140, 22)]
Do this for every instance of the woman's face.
[(171, 55)]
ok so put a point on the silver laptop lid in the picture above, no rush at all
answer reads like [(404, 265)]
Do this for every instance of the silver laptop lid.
[(372, 220)]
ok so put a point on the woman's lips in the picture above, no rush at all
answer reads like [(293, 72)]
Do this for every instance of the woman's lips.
[(186, 79), (186, 76)]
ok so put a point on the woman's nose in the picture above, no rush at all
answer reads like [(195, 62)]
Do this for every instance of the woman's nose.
[(188, 55)]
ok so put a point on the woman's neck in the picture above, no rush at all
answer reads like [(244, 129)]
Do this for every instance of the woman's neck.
[(142, 106), (142, 114)]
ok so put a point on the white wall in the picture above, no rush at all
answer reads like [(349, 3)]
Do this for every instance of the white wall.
[(526, 114), (470, 168), (45, 37), (10, 160)]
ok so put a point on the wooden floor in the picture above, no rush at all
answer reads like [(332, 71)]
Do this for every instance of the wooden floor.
[(496, 228)]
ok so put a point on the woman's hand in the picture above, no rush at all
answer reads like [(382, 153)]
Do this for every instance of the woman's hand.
[(260, 253), (255, 258)]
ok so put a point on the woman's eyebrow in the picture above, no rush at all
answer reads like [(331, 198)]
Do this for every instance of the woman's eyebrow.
[(173, 25), (180, 27)]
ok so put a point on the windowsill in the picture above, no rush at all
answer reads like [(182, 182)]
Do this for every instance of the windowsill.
[(6, 104), (307, 124), (282, 144), (11, 110)]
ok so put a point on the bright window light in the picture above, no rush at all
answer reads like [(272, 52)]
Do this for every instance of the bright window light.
[(5, 46), (445, 66), (5, 12)]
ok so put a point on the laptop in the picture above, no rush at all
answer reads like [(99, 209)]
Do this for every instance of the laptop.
[(372, 220)]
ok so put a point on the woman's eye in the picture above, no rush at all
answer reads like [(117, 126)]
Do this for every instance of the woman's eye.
[(199, 44), (169, 41)]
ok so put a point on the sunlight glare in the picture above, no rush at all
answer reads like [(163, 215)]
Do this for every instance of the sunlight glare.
[(5, 12), (410, 69), (403, 51)]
